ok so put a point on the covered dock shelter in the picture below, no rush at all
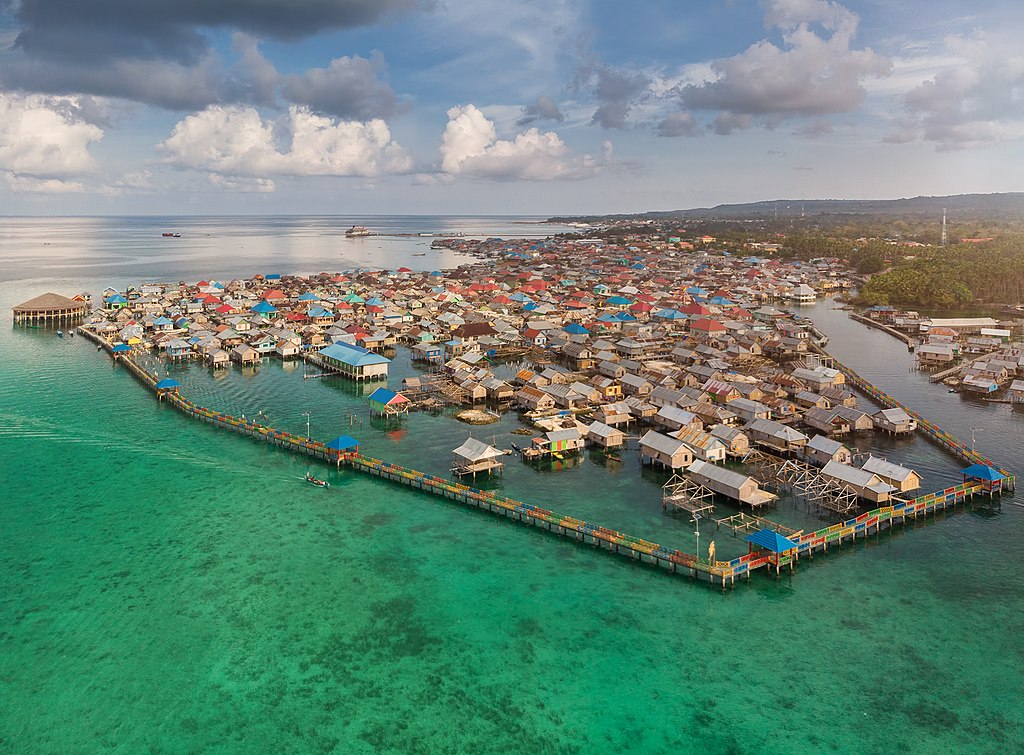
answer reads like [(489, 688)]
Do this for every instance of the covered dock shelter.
[(475, 456), (991, 479), (343, 444), (778, 549)]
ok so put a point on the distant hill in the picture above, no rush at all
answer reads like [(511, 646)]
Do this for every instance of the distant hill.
[(973, 205)]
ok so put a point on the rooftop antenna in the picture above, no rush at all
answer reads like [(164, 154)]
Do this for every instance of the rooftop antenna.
[(942, 241)]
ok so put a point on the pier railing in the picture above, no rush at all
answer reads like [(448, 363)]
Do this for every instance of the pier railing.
[(646, 551), (945, 439)]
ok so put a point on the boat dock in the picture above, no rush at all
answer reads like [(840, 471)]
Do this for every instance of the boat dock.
[(910, 342), (637, 549)]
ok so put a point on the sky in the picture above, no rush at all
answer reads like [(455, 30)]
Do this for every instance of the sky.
[(535, 107)]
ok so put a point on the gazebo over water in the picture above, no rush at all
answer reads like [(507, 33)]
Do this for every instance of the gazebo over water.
[(50, 308)]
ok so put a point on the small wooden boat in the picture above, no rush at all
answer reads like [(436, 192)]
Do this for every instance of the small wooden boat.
[(314, 481)]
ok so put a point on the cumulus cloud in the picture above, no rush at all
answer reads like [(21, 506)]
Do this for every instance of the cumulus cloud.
[(157, 52), (236, 142), (541, 109), (679, 124), (470, 147), (814, 73), (347, 88), (977, 102), (42, 143)]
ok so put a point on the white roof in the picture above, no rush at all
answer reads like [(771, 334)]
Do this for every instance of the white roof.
[(825, 445), (886, 469), (661, 443), (476, 450), (895, 415), (601, 430), (856, 477)]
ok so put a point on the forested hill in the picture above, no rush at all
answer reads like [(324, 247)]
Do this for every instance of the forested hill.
[(991, 272), (992, 206)]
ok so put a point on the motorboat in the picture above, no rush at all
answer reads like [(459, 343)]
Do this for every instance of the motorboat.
[(314, 481)]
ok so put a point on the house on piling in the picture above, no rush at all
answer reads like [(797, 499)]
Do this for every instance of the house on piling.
[(671, 453), (820, 450), (739, 487), (605, 436), (865, 484), (386, 403), (355, 362), (736, 441), (474, 456), (895, 421), (776, 436), (902, 478)]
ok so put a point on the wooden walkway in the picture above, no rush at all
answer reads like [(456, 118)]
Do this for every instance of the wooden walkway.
[(932, 431), (910, 342), (621, 544)]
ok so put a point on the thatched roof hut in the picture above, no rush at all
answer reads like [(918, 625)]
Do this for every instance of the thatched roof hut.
[(49, 307)]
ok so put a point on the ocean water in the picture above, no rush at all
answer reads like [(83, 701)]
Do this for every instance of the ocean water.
[(168, 587)]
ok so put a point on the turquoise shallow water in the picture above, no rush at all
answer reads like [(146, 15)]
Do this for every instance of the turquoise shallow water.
[(167, 587)]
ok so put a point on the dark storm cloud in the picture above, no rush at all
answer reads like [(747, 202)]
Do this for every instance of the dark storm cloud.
[(170, 29), (156, 52)]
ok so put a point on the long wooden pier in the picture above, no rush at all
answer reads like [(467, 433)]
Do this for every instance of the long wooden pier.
[(637, 549), (910, 342)]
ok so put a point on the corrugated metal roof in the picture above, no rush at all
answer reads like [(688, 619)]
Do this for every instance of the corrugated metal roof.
[(772, 541)]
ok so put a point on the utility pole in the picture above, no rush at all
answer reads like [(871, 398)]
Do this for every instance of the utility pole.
[(307, 423), (696, 521), (942, 241)]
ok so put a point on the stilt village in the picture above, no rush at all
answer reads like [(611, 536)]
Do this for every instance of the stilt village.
[(674, 348)]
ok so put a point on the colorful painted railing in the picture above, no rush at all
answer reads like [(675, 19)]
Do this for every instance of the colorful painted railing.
[(930, 429), (725, 571)]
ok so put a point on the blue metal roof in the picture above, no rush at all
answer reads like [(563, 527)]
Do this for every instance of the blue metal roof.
[(121, 348), (343, 443), (350, 354), (983, 472), (264, 307), (167, 384), (771, 540), (382, 395)]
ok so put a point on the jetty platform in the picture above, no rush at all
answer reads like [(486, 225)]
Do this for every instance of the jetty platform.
[(672, 560), (910, 342)]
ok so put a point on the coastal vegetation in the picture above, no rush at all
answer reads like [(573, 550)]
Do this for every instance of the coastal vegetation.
[(936, 277)]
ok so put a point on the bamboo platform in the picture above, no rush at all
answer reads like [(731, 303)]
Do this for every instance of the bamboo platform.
[(637, 549)]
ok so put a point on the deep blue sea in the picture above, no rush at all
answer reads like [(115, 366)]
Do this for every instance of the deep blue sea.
[(166, 587)]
